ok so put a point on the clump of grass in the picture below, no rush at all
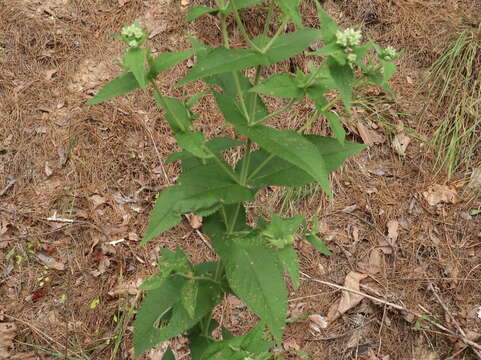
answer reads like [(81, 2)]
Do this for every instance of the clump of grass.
[(454, 83)]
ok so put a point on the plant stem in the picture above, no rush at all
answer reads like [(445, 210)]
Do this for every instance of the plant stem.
[(275, 113), (242, 28), (261, 166), (276, 35), (225, 167), (224, 31), (269, 19), (241, 96)]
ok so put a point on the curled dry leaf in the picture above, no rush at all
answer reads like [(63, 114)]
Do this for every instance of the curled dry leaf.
[(50, 262), (318, 322), (389, 242), (348, 300), (438, 194), (400, 143), (369, 137), (195, 221)]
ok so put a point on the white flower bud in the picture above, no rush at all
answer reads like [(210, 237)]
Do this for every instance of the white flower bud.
[(349, 37)]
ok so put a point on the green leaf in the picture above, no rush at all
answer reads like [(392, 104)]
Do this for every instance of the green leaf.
[(280, 232), (163, 305), (194, 143), (290, 262), (215, 145), (153, 282), (121, 85), (190, 197), (342, 76), (280, 85), (278, 172), (168, 355), (336, 126), (188, 296), (318, 244), (241, 4), (286, 144), (328, 25), (198, 11), (241, 347), (291, 9), (134, 60), (176, 114), (166, 60), (220, 60), (294, 148), (256, 276), (287, 45), (475, 212), (334, 50)]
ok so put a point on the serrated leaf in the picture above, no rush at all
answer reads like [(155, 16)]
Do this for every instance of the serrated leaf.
[(280, 232), (194, 143), (256, 276), (287, 45), (198, 11), (278, 172), (290, 262), (166, 60), (216, 145), (286, 144), (221, 60), (188, 296), (175, 320), (291, 9), (240, 347), (134, 60), (342, 76), (280, 85), (336, 126), (176, 113), (121, 85), (318, 244), (190, 197), (328, 26)]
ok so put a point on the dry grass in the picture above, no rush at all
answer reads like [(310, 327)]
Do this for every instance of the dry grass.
[(102, 167)]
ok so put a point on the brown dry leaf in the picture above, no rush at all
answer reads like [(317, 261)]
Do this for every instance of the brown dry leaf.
[(318, 322), (369, 137), (438, 194), (7, 333), (128, 288), (400, 143), (50, 262), (291, 345), (388, 243), (375, 262), (97, 200), (49, 74), (48, 169), (195, 221), (475, 181), (184, 4), (421, 353), (348, 300), (123, 2)]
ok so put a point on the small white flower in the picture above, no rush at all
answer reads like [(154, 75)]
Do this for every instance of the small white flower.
[(390, 53), (133, 31), (133, 43), (351, 58), (349, 37)]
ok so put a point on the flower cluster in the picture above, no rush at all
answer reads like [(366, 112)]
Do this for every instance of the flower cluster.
[(133, 35), (349, 37), (390, 53)]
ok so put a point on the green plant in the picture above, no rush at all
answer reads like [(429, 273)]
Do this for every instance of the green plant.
[(251, 260), (454, 84)]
